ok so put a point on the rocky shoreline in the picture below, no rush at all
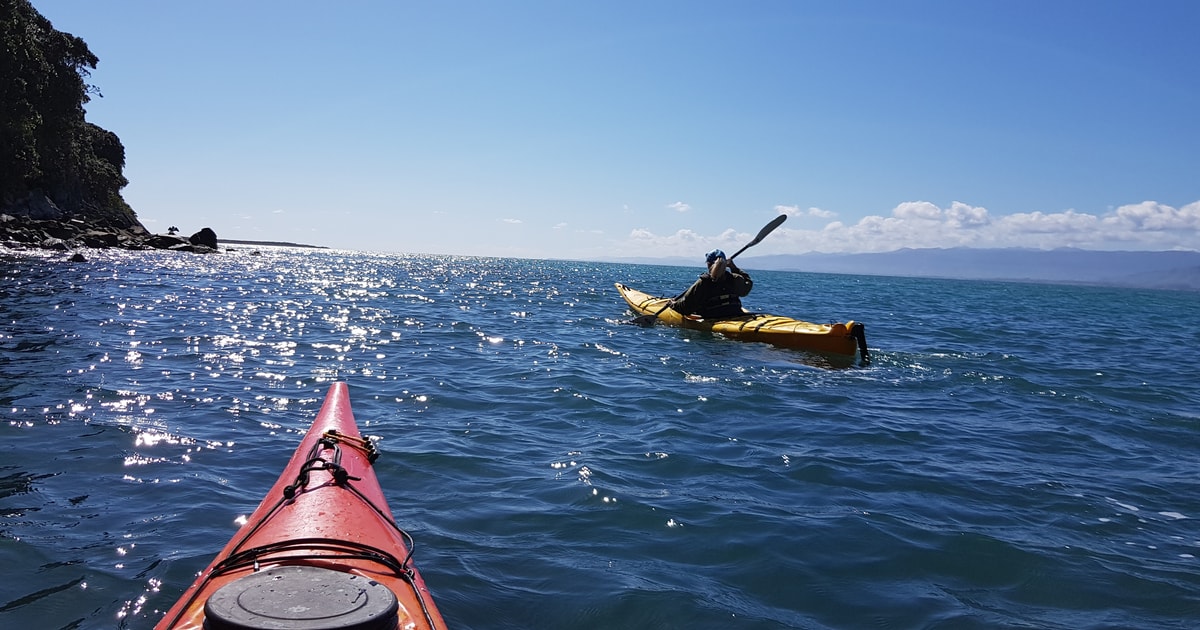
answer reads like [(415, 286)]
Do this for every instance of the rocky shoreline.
[(66, 235)]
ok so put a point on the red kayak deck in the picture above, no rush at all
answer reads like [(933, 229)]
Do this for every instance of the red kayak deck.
[(322, 550)]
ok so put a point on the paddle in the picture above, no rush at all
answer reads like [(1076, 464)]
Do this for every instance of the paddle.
[(648, 320)]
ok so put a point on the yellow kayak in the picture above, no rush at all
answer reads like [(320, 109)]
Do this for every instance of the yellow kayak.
[(834, 339)]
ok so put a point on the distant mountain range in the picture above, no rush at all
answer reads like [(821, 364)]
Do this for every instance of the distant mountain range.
[(1178, 270)]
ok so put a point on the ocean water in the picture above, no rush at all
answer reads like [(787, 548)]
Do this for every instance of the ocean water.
[(1014, 456)]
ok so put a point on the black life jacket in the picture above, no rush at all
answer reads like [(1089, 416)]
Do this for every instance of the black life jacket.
[(721, 300)]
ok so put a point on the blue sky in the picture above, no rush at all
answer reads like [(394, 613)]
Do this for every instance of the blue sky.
[(596, 130)]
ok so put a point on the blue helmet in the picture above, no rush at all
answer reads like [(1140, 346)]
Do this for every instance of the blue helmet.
[(713, 255)]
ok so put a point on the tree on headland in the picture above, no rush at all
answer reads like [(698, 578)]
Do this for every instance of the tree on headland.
[(53, 163)]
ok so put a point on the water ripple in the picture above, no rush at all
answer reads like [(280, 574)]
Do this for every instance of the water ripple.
[(1014, 456)]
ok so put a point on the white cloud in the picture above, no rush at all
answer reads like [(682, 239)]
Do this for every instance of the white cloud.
[(687, 243), (1066, 222), (641, 234), (1147, 225), (679, 206), (673, 244), (917, 210), (962, 215), (796, 211), (920, 224), (1152, 216), (512, 221)]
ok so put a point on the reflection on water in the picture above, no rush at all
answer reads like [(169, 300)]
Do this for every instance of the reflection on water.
[(612, 474)]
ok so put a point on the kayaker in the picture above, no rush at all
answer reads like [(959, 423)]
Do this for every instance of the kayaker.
[(717, 293)]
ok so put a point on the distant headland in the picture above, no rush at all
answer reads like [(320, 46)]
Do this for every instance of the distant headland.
[(55, 165), (229, 241), (61, 176)]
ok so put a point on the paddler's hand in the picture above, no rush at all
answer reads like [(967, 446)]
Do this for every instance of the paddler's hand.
[(717, 268)]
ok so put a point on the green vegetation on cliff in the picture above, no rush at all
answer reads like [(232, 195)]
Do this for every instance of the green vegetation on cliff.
[(53, 163)]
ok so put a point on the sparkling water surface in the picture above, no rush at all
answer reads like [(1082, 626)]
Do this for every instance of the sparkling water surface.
[(1014, 456)]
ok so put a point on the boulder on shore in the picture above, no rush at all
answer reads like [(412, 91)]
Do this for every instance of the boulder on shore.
[(166, 241), (205, 237), (27, 232)]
